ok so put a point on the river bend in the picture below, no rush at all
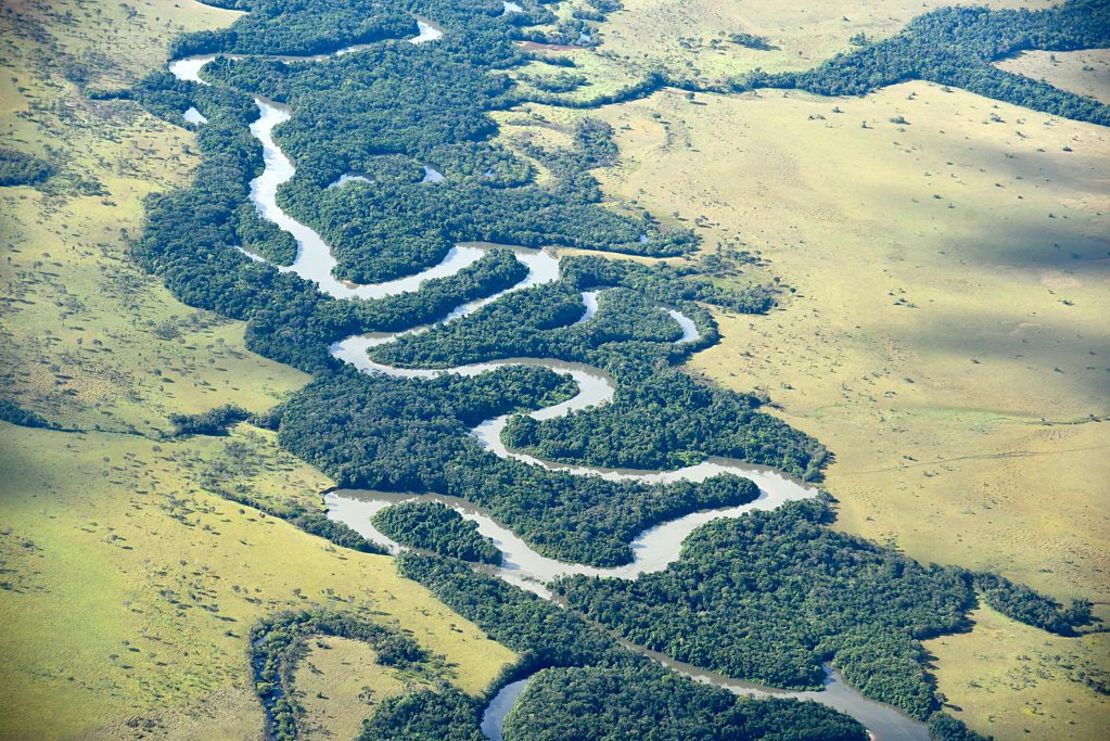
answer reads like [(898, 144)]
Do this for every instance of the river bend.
[(653, 550)]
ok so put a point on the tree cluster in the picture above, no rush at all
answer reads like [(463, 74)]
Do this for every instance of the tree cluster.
[(592, 688), (434, 526), (21, 168), (425, 715), (213, 422), (413, 435), (312, 521), (772, 596), (1027, 606), (956, 46), (646, 702), (278, 643), (17, 415)]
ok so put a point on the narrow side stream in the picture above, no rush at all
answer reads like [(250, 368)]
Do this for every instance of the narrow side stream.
[(493, 719)]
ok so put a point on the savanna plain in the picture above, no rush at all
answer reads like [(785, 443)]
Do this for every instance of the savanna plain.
[(887, 307)]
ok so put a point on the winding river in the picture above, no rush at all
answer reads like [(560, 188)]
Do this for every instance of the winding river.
[(653, 550)]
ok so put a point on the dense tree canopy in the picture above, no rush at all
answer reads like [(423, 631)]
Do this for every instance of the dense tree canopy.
[(213, 422), (425, 715), (773, 595), (601, 690), (17, 415), (956, 46), (770, 596), (434, 526), (412, 435), (613, 704)]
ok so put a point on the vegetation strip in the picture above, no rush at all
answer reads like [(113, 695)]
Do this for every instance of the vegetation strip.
[(350, 117)]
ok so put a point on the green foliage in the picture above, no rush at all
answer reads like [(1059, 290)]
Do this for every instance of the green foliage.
[(434, 526), (570, 167), (645, 702), (614, 694), (652, 81), (264, 238), (606, 6), (413, 435), (352, 111), (560, 82), (575, 31), (943, 727), (666, 420), (314, 522), (213, 422), (191, 235), (752, 41), (540, 322), (669, 284), (306, 27), (955, 46), (317, 523), (543, 633), (1025, 605), (772, 595), (17, 415), (277, 644), (20, 168), (425, 716), (228, 4), (357, 112)]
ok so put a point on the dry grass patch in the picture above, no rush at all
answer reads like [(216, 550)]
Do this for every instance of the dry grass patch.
[(690, 38), (1045, 681), (92, 341), (1084, 72), (947, 339), (340, 683)]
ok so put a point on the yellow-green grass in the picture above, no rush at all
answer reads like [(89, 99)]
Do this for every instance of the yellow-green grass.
[(952, 285), (108, 43), (689, 38), (130, 591), (605, 74), (90, 339), (340, 683), (1084, 72), (517, 126), (1039, 679)]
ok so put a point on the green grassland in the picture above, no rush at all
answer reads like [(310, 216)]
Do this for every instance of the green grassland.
[(91, 341), (1013, 681), (128, 588), (340, 683), (946, 336)]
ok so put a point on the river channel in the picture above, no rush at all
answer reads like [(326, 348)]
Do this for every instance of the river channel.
[(653, 550)]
